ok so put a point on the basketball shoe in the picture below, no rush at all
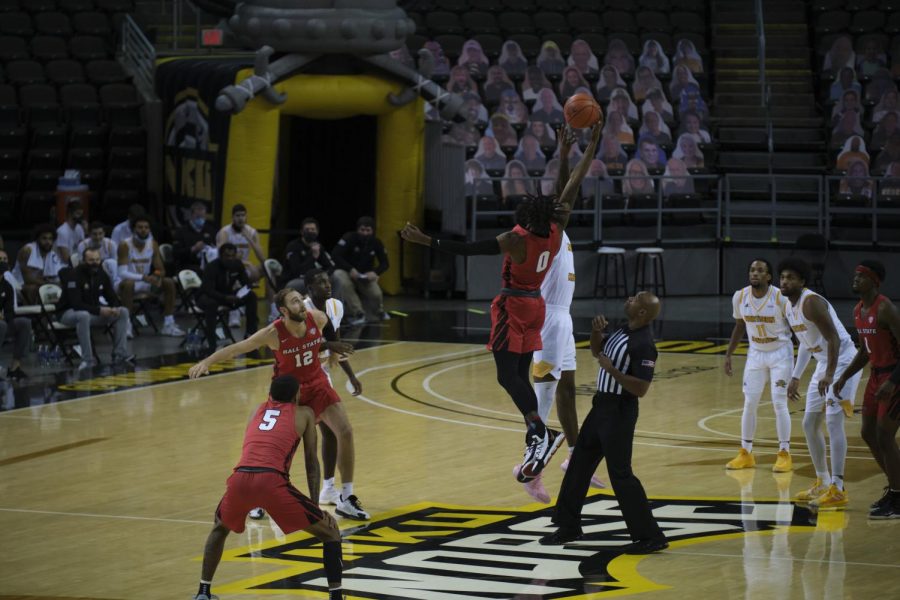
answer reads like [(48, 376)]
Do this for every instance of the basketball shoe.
[(329, 495), (256, 514), (885, 496), (743, 460), (351, 509), (205, 597), (833, 499), (596, 482), (817, 489), (534, 487), (888, 509), (538, 453), (783, 462)]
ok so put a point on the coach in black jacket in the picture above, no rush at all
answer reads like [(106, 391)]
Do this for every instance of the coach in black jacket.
[(225, 283), (360, 259), (83, 288)]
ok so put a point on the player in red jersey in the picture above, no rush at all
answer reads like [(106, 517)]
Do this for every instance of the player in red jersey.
[(878, 324), (517, 313), (261, 478), (295, 339)]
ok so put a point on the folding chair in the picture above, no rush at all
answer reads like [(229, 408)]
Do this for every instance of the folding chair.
[(57, 332), (273, 270), (189, 284)]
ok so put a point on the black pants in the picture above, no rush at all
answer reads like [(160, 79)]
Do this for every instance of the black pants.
[(607, 432), (211, 307)]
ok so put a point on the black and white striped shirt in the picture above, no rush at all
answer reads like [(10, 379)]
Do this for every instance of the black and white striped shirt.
[(632, 353)]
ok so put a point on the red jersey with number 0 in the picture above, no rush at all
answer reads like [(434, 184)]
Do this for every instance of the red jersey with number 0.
[(879, 343), (271, 437), (299, 357), (539, 252)]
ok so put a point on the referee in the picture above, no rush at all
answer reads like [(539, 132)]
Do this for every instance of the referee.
[(627, 359)]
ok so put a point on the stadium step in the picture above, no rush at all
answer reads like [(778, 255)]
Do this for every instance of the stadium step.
[(786, 138), (782, 162), (754, 99), (752, 87), (782, 112)]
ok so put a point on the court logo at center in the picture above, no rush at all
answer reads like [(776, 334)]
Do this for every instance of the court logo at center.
[(441, 551)]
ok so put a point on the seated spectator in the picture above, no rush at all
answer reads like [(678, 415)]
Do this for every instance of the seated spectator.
[(609, 81), (890, 153), (572, 79), (692, 124), (9, 322), (529, 153), (681, 78), (888, 103), (637, 180), (839, 56), (123, 230), (497, 82), (461, 82), (657, 102), (402, 56), (516, 181), (676, 180), (38, 263), (880, 84), (89, 300), (548, 181), (488, 155), (109, 252), (617, 126), (649, 152), (512, 60), (512, 107), (845, 81), (854, 149), (611, 153), (441, 64), (71, 232), (544, 133), (644, 81), (550, 60), (502, 131), (597, 182), (618, 56), (857, 181), (463, 134), (245, 240), (621, 102), (141, 271), (848, 126), (687, 151), (477, 183), (692, 100), (472, 58), (890, 184), (885, 128), (534, 82), (686, 54), (582, 58), (848, 102), (655, 128), (225, 284), (477, 112), (547, 108), (356, 278), (873, 58), (654, 58), (305, 253), (194, 243)]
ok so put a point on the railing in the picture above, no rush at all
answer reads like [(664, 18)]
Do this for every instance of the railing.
[(860, 203), (137, 54), (775, 209), (761, 35)]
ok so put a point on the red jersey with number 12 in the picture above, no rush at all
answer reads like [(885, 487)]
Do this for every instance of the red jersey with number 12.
[(539, 252), (879, 343), (271, 437), (299, 357)]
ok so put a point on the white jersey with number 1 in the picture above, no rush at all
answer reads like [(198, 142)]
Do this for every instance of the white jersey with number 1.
[(557, 337), (767, 326)]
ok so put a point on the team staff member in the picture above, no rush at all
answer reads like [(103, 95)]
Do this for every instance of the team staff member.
[(627, 359), (356, 276), (20, 326), (225, 283), (878, 324)]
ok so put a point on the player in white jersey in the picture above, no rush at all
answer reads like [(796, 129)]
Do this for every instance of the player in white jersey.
[(71, 232), (823, 337), (759, 311), (245, 239)]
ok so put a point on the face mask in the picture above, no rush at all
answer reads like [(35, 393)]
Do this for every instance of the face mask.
[(198, 222), (4, 266), (142, 238), (232, 265), (309, 237)]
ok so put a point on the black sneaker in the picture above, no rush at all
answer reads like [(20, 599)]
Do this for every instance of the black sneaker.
[(540, 451), (887, 510), (646, 546), (17, 374), (885, 496), (561, 536)]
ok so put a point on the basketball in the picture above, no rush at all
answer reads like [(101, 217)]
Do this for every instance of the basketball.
[(582, 111)]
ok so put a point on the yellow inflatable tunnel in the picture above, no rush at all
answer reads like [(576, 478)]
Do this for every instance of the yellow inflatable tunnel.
[(253, 150)]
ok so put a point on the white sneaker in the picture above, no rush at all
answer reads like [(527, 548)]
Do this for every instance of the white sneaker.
[(85, 365), (351, 509), (256, 514), (172, 330), (329, 495), (129, 331)]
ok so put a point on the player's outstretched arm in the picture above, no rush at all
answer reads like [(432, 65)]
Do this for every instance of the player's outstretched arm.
[(413, 234), (263, 337), (305, 422), (573, 185), (566, 138)]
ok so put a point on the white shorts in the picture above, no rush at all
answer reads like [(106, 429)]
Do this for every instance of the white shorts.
[(831, 404), (142, 287), (558, 341), (773, 367)]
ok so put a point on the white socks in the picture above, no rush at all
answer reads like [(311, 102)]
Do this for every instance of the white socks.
[(346, 490), (546, 394), (328, 484)]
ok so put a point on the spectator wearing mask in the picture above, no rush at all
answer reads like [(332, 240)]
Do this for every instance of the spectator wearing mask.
[(38, 263), (71, 232), (225, 284), (356, 277), (109, 252), (195, 242), (305, 253), (9, 322), (90, 300)]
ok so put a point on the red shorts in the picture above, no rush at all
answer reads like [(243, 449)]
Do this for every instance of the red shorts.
[(318, 395), (516, 323), (272, 491), (872, 407)]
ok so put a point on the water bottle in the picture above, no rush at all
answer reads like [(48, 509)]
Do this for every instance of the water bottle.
[(56, 357), (43, 355)]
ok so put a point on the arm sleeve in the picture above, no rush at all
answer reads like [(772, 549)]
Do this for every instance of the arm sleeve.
[(643, 360), (340, 261), (479, 248), (383, 263), (126, 273), (803, 357)]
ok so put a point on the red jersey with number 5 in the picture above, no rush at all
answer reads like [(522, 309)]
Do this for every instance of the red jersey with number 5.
[(299, 357), (539, 252), (879, 343), (271, 437)]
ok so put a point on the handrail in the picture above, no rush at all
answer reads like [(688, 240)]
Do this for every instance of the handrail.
[(137, 54), (761, 35)]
